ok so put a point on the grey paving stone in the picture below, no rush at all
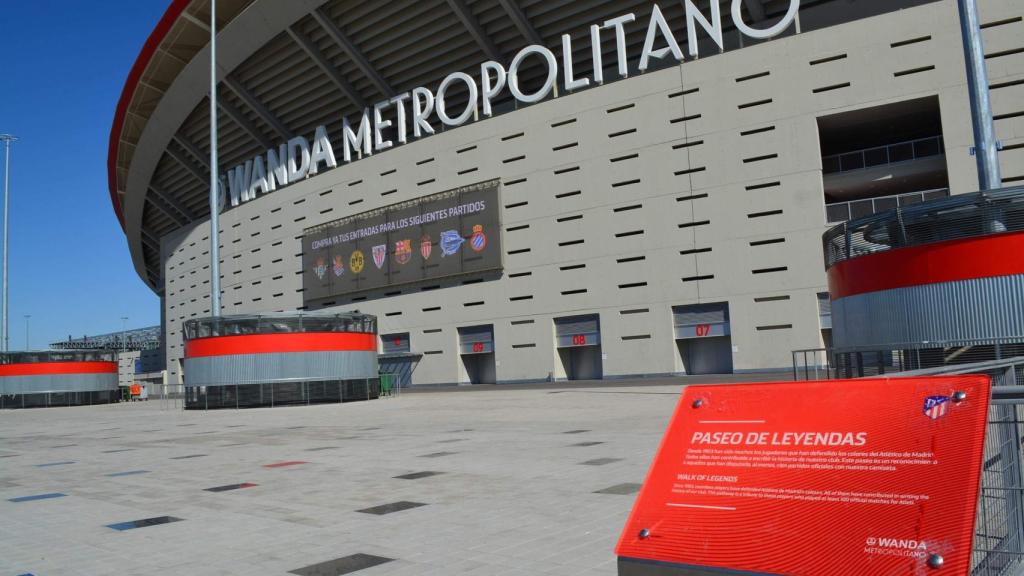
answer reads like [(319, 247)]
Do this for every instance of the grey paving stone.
[(418, 475), (600, 461), (621, 489), (392, 507), (344, 565)]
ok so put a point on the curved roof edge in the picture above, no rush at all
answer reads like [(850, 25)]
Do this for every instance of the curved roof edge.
[(130, 84)]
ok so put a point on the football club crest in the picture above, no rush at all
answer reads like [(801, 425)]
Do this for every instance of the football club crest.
[(451, 241), (321, 268), (356, 262), (935, 406), (380, 252), (339, 265), (426, 247), (403, 251), (478, 241)]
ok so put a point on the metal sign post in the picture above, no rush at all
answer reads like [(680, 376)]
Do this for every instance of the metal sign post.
[(986, 148)]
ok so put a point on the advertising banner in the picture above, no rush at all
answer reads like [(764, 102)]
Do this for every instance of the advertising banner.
[(875, 476), (447, 234)]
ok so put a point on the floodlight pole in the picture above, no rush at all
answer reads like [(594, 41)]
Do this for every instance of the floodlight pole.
[(986, 149), (27, 346), (6, 139), (214, 203)]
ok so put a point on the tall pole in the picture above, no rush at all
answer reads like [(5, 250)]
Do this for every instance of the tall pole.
[(27, 346), (985, 146), (124, 343), (7, 139), (214, 204)]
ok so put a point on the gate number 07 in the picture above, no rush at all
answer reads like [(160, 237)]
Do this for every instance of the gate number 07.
[(702, 329)]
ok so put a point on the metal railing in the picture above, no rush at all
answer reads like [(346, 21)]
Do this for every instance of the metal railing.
[(279, 323), (906, 151), (837, 212), (959, 216), (998, 548)]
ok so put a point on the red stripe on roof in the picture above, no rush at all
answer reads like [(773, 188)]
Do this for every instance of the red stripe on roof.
[(130, 84)]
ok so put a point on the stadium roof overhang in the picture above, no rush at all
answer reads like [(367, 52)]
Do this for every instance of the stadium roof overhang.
[(285, 67)]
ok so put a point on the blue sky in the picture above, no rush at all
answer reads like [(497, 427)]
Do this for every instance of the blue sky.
[(62, 69)]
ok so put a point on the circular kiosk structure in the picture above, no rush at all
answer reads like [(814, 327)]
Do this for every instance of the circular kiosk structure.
[(58, 378), (280, 360), (928, 284)]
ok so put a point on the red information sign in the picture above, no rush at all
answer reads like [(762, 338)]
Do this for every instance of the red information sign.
[(863, 477)]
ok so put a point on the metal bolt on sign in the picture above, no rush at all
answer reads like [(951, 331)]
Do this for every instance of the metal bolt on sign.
[(644, 533), (698, 403), (935, 561), (959, 396)]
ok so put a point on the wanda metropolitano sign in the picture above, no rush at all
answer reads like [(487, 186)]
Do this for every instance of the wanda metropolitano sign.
[(409, 114)]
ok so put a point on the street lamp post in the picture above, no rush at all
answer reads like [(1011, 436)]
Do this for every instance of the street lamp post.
[(214, 199), (6, 139), (986, 149), (124, 343), (27, 346)]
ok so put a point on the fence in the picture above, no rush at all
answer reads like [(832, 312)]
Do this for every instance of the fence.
[(882, 155), (999, 531), (837, 212)]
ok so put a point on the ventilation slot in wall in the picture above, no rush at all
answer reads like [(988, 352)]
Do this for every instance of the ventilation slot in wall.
[(753, 76), (1001, 22), (516, 205), (697, 278), (775, 327), (769, 270), (519, 251), (424, 161), (627, 208), (565, 146), (571, 292), (690, 197), (388, 172), (831, 88), (466, 149), (517, 228), (767, 242), (637, 337), (757, 131), (569, 243), (572, 267), (564, 122), (762, 186), (913, 71), (628, 234), (514, 182), (910, 41), (634, 311), (622, 133), (356, 201), (625, 183), (513, 159), (632, 285), (690, 171), (684, 92), (512, 137), (569, 218), (760, 158), (432, 309), (684, 118), (630, 259), (621, 158), (389, 192), (827, 59), (620, 108), (520, 274), (763, 214), (1002, 53), (432, 331), (521, 322), (566, 170), (695, 224), (520, 298), (687, 144), (425, 182), (754, 104), (763, 299), (467, 171), (568, 194)]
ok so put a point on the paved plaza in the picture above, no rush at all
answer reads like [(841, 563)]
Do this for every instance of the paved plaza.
[(521, 481)]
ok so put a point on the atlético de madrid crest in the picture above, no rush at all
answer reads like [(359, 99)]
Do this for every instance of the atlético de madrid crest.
[(935, 406)]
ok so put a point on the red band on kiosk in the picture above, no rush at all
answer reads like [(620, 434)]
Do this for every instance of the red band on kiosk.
[(281, 343), (949, 261), (49, 368)]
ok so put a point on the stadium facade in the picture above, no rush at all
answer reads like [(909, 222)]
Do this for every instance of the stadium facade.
[(525, 190)]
